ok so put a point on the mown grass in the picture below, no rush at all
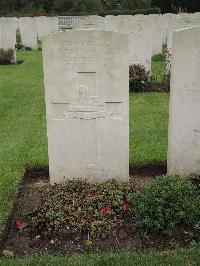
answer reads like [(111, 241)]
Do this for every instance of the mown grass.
[(23, 138), (179, 257), (22, 119), (148, 128)]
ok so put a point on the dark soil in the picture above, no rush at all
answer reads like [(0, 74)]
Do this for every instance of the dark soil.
[(66, 241), (159, 88)]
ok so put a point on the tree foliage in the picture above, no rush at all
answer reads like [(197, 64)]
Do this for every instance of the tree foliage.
[(175, 6), (36, 7)]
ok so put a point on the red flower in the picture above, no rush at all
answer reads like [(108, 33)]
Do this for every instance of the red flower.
[(106, 209), (20, 225), (126, 206)]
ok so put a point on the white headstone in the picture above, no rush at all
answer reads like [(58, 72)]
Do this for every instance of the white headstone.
[(91, 22), (140, 37), (16, 21), (46, 25), (184, 124), (177, 22), (86, 83), (166, 18), (28, 31), (8, 34), (157, 33)]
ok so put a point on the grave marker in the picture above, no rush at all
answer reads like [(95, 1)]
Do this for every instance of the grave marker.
[(86, 83), (184, 123)]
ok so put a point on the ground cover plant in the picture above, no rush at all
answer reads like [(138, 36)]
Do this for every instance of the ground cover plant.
[(79, 206), (78, 216), (169, 201)]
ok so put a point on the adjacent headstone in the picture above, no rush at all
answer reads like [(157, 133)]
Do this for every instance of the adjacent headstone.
[(157, 33), (166, 18), (140, 38), (28, 31), (16, 21), (86, 83), (46, 25), (177, 22), (91, 22), (184, 124), (8, 34)]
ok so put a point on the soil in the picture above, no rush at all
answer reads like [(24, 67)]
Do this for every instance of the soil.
[(159, 88), (65, 241)]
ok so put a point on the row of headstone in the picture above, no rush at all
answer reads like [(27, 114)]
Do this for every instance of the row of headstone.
[(8, 35), (147, 33), (86, 86), (31, 30)]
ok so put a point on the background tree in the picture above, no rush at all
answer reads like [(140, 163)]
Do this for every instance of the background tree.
[(176, 5)]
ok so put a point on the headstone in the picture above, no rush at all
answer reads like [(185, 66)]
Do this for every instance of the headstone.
[(91, 22), (157, 33), (140, 38), (16, 21), (177, 22), (8, 34), (86, 83), (184, 123), (166, 18), (46, 25), (28, 31)]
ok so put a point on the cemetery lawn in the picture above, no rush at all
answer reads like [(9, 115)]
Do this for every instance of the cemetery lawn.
[(23, 140), (182, 257)]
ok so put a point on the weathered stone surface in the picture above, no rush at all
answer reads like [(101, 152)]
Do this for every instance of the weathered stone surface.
[(8, 34), (140, 37), (184, 124), (157, 33), (46, 25), (28, 30), (86, 83), (177, 22), (91, 22)]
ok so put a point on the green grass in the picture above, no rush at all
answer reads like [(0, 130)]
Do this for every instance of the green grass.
[(22, 119), (158, 69), (179, 257), (23, 138), (148, 128)]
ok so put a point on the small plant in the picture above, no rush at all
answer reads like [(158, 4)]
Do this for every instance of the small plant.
[(165, 204), (89, 209), (6, 56), (139, 78), (168, 56)]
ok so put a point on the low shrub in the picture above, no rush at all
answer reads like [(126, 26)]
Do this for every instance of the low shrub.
[(139, 78), (166, 203), (83, 207), (6, 56)]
